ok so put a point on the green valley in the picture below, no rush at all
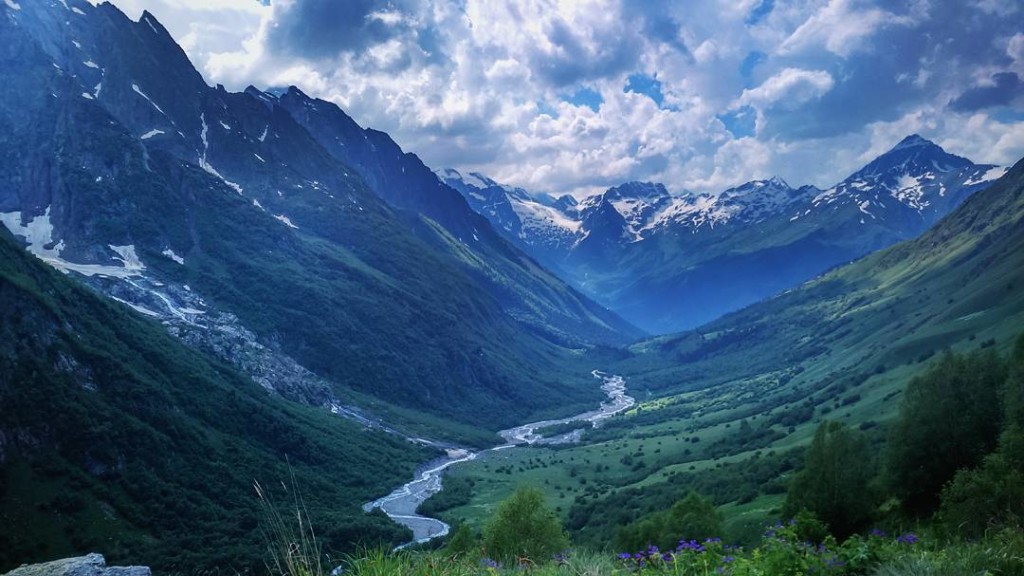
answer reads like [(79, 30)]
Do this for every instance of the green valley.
[(242, 332), (728, 409)]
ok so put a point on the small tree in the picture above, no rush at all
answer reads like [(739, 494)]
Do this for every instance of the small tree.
[(993, 494), (834, 484), (463, 541), (949, 420), (694, 518), (524, 527)]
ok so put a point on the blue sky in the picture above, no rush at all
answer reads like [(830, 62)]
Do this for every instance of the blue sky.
[(576, 96)]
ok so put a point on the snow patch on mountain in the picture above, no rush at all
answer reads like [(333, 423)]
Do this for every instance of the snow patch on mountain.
[(139, 91), (286, 221), (138, 308), (38, 233), (910, 191), (151, 26), (129, 259), (170, 254), (474, 179), (204, 164), (991, 174), (513, 209)]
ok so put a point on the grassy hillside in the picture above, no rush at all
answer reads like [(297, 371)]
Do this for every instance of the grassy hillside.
[(727, 409), (116, 438)]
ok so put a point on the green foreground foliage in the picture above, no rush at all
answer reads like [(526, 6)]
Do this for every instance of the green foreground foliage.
[(967, 502), (782, 553), (523, 527)]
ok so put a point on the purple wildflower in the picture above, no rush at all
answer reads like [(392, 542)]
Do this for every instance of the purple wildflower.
[(689, 545), (908, 538)]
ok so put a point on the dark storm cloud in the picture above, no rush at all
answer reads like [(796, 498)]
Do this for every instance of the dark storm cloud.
[(902, 67), (1007, 86), (869, 88), (572, 62), (326, 28), (657, 23)]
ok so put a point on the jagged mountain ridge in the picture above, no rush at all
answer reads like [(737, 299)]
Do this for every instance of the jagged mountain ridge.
[(228, 195), (667, 262)]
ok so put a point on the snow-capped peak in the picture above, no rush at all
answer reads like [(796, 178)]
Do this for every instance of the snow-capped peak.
[(916, 173), (758, 188), (914, 156), (471, 179), (647, 191), (912, 141)]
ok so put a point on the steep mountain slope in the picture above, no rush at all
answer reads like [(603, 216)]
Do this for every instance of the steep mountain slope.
[(545, 231), (530, 293), (115, 437), (670, 262), (193, 203)]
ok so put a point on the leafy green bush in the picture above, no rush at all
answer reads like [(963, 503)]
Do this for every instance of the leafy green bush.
[(993, 494), (523, 528), (949, 420), (835, 481), (692, 518)]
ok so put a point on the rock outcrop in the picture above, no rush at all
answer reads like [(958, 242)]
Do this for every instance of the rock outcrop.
[(89, 565)]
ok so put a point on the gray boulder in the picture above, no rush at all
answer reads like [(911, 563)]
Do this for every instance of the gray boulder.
[(89, 565)]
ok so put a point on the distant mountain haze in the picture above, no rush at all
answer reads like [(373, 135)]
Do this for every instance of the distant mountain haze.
[(671, 262)]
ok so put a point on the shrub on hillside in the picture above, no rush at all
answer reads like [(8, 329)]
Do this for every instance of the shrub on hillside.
[(524, 528)]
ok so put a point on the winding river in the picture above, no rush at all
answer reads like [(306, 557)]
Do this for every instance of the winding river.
[(400, 505)]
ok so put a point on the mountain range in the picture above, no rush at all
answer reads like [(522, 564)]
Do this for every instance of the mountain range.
[(202, 288), (671, 262), (272, 215), (871, 322)]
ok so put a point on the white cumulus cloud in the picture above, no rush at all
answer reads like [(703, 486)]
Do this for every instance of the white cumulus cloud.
[(533, 92)]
